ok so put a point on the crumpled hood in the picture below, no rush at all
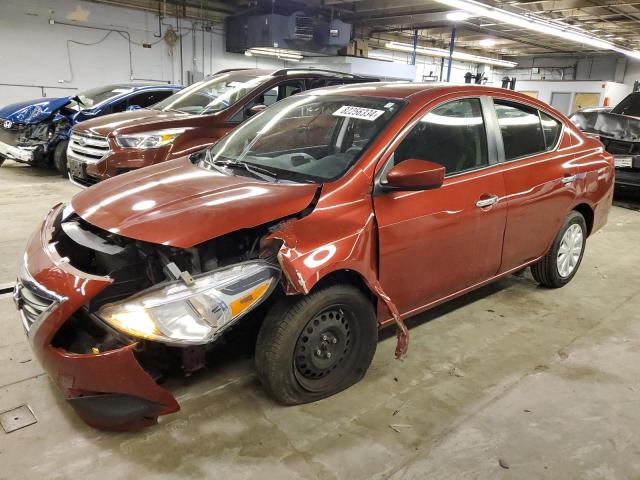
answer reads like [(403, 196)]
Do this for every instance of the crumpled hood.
[(611, 125), (33, 111), (179, 204)]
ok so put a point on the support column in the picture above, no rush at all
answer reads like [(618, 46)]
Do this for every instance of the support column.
[(451, 45)]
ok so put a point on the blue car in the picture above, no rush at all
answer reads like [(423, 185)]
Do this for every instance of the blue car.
[(37, 131)]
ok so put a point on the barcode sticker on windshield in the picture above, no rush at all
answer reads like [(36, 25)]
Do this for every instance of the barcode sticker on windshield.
[(369, 114)]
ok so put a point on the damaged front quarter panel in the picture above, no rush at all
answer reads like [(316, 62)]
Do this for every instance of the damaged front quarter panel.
[(309, 251), (31, 130)]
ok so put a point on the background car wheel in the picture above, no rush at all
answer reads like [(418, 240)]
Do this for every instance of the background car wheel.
[(2, 159), (60, 158), (314, 346), (558, 267)]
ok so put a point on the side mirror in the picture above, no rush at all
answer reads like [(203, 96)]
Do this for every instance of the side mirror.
[(255, 109), (130, 108), (412, 174)]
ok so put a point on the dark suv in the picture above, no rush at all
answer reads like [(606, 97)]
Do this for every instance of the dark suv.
[(619, 131), (186, 122)]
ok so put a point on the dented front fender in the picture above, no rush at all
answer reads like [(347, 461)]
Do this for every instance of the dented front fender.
[(335, 236)]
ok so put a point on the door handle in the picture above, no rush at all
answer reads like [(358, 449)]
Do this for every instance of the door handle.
[(569, 179), (487, 201)]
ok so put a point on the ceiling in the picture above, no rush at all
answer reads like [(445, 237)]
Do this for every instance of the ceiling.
[(617, 21)]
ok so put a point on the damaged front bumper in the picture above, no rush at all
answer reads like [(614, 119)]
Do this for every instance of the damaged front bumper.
[(108, 389), (17, 153)]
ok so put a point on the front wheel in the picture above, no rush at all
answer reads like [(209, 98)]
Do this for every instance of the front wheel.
[(60, 158), (559, 266), (314, 346)]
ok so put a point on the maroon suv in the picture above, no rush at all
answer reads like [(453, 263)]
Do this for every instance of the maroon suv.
[(186, 122)]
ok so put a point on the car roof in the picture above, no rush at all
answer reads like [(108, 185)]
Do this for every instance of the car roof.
[(413, 91), (141, 86), (292, 72)]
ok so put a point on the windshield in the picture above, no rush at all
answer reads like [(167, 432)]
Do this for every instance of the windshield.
[(212, 95), (91, 98), (629, 106), (309, 138)]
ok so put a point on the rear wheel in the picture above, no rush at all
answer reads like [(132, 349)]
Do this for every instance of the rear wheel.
[(60, 158), (559, 266), (314, 346), (2, 159)]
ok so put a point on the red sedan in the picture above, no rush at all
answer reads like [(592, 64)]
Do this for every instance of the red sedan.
[(337, 211)]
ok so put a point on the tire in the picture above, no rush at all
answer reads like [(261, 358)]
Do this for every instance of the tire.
[(60, 158), (314, 346), (2, 159), (547, 271)]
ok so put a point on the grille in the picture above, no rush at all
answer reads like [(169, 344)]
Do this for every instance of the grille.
[(9, 136), (85, 181), (34, 302), (303, 29), (88, 148), (617, 147)]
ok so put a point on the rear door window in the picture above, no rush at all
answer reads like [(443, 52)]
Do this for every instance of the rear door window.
[(521, 129), (148, 98), (269, 97), (551, 129)]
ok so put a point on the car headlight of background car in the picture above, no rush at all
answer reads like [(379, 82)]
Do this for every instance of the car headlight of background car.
[(177, 313), (146, 140)]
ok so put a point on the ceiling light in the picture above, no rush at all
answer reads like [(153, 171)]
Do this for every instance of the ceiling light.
[(459, 16), (541, 26), (487, 42), (281, 53), (440, 52)]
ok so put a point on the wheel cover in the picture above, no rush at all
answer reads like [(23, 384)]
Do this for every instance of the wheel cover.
[(570, 250), (324, 345)]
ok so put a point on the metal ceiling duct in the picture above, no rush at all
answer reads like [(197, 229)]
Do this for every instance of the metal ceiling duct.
[(286, 25)]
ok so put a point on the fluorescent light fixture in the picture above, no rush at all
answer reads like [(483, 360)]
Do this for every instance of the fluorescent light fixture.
[(567, 33), (487, 42), (459, 16), (281, 53), (440, 52)]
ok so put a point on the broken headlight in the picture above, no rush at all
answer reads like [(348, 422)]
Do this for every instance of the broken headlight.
[(142, 141), (194, 314)]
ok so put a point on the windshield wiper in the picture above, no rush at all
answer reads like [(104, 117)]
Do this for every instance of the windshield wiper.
[(257, 171)]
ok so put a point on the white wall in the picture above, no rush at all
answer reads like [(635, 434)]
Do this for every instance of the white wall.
[(36, 54), (33, 52), (608, 67), (614, 91), (632, 72), (426, 65), (385, 70)]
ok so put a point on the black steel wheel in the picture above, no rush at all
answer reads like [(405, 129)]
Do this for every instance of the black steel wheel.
[(324, 348), (314, 346)]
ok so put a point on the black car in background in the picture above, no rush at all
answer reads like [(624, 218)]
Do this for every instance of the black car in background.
[(619, 131)]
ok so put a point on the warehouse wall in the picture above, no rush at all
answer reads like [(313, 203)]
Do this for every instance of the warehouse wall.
[(601, 67), (426, 67), (46, 55), (632, 72), (608, 92)]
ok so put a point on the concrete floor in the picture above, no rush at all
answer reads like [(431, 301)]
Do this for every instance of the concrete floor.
[(545, 382)]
